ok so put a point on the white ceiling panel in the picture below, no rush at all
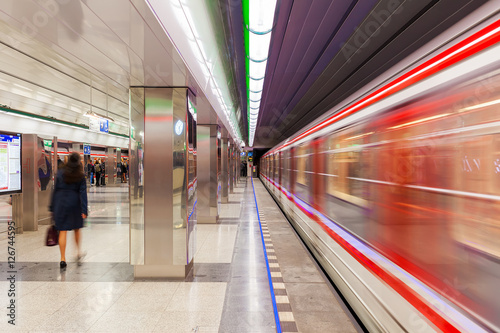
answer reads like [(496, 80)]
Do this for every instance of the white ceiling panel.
[(61, 58)]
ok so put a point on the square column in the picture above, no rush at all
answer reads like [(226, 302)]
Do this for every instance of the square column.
[(231, 166), (219, 169), (29, 176), (54, 159), (110, 166), (224, 168), (118, 160), (208, 174), (76, 147), (162, 182), (237, 165)]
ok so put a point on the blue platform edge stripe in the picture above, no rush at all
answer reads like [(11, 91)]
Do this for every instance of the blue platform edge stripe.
[(273, 297), (194, 206)]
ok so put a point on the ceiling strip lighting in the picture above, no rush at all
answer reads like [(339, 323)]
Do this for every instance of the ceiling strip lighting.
[(258, 16)]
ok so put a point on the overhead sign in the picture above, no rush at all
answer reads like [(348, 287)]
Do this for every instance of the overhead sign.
[(47, 143), (86, 149), (98, 125), (104, 125)]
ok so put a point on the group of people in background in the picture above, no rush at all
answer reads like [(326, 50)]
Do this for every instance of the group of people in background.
[(97, 169)]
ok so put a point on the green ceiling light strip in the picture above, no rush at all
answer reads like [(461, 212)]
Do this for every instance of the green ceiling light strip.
[(258, 19), (246, 21)]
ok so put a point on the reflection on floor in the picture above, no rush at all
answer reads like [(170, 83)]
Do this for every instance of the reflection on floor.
[(5, 213), (227, 292), (229, 280)]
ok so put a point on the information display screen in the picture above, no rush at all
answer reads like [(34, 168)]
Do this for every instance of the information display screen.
[(10, 163)]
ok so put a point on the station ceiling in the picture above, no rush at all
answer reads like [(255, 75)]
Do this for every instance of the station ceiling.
[(323, 51), (86, 54)]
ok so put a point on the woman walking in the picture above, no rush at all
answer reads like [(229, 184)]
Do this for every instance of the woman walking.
[(69, 203)]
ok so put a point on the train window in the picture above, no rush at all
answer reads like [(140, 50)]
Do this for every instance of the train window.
[(280, 165), (333, 173), (346, 166), (277, 168), (301, 165), (286, 169), (304, 172)]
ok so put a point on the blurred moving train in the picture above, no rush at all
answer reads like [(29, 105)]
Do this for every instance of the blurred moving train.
[(397, 194)]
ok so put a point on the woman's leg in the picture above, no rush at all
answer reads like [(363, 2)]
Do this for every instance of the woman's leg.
[(62, 244), (77, 240)]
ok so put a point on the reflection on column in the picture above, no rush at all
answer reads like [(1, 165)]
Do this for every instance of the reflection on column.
[(208, 174), (136, 176), (231, 166), (225, 168), (219, 173), (162, 182), (110, 169)]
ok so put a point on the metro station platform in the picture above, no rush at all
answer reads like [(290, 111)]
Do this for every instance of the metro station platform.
[(228, 290)]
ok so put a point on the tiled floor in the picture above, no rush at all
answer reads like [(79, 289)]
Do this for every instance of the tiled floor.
[(228, 291), (315, 306)]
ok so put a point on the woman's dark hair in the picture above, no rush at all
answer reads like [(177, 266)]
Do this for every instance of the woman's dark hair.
[(73, 170)]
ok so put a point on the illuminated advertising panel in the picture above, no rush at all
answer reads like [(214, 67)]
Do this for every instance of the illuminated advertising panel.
[(10, 163)]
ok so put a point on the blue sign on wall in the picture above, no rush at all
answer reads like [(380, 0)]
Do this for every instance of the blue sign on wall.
[(104, 125), (86, 149)]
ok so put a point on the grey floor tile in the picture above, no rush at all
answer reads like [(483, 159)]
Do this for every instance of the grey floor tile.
[(314, 322), (250, 321)]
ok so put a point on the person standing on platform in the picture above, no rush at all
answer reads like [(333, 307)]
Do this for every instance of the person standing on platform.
[(124, 172), (69, 204), (97, 173), (60, 163), (90, 170)]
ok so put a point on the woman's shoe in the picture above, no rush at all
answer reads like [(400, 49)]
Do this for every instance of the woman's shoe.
[(80, 257), (63, 264)]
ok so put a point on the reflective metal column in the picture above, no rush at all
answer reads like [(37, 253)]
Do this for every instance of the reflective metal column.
[(110, 166), (54, 159), (208, 182), (225, 167), (231, 166), (162, 193), (118, 160), (237, 165), (219, 168), (76, 147), (29, 176)]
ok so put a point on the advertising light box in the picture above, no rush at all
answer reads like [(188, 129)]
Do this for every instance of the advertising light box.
[(10, 163)]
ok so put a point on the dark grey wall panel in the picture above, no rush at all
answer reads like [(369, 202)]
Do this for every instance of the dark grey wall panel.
[(366, 55)]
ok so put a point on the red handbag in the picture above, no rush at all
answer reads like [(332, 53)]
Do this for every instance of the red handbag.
[(52, 236)]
